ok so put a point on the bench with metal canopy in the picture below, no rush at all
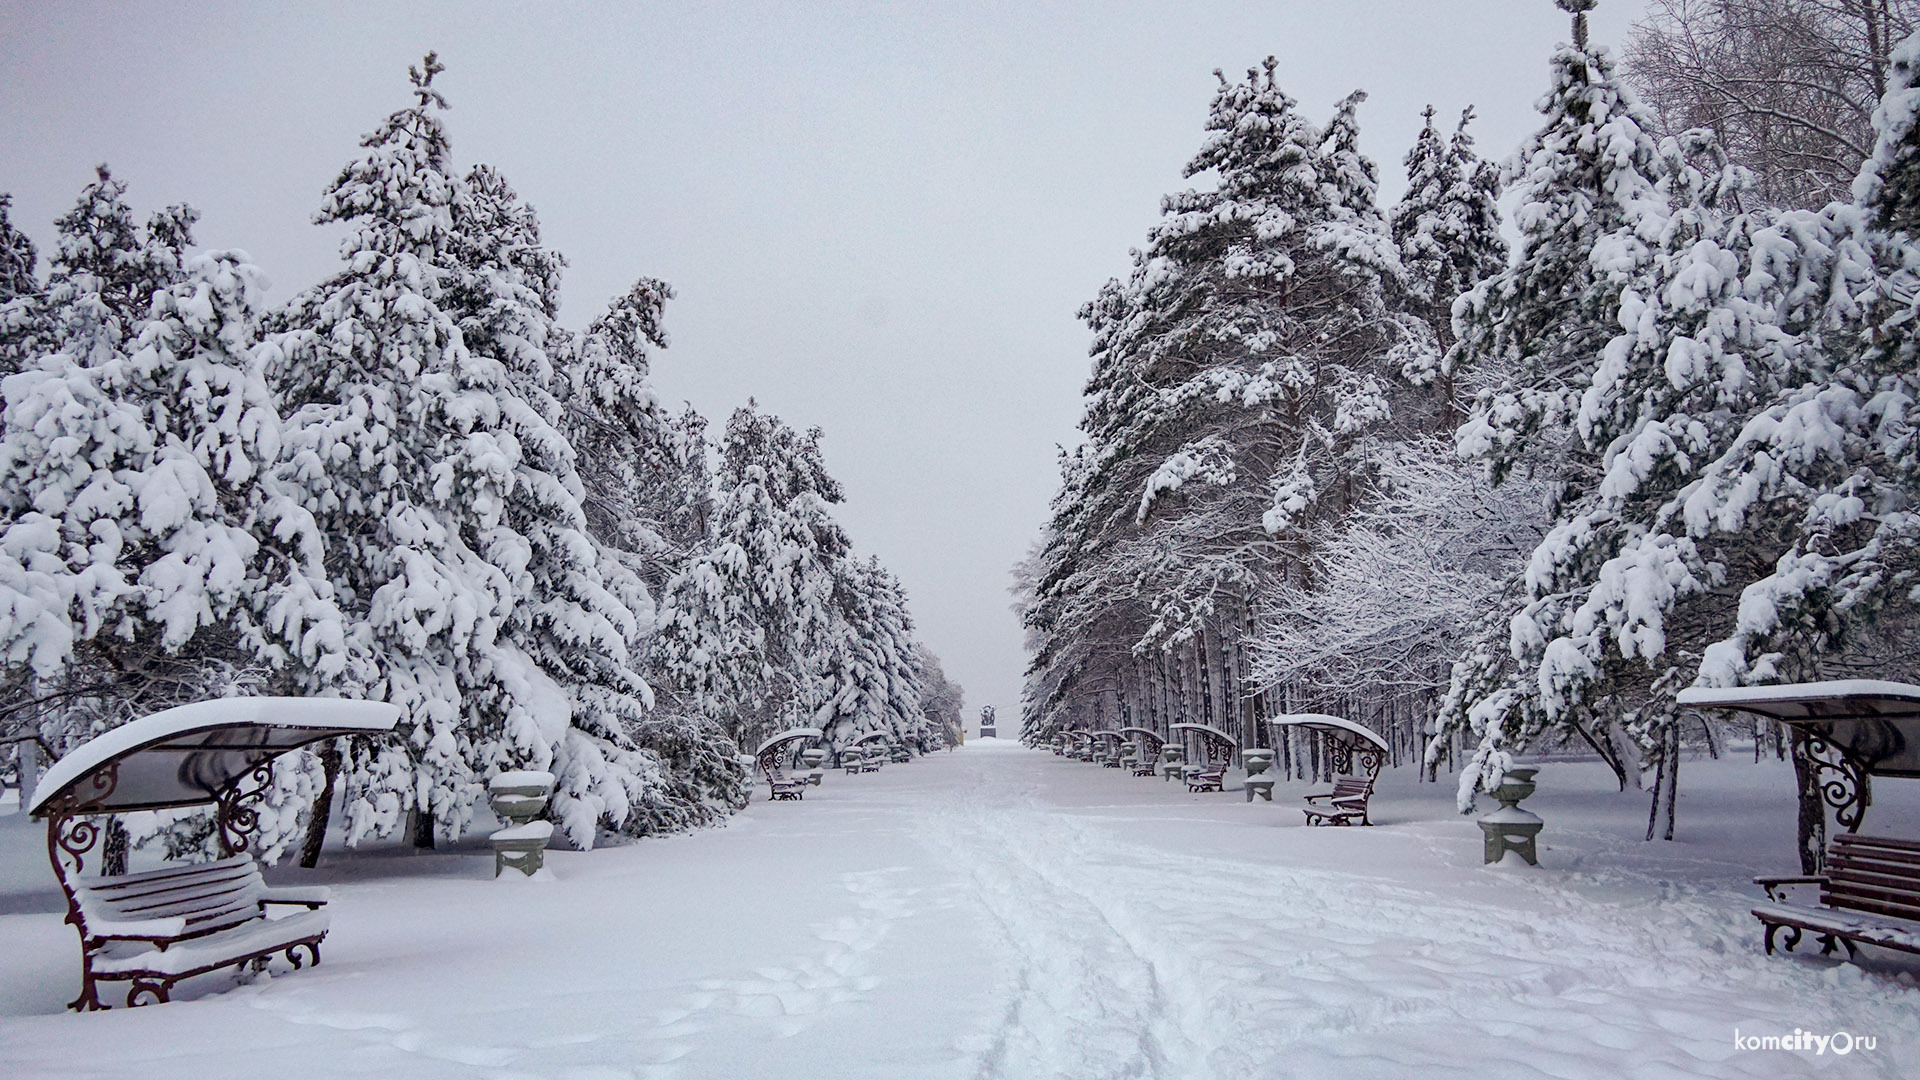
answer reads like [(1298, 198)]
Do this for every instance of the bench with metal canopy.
[(777, 754), (1107, 746), (1355, 750), (1080, 744), (153, 929), (1219, 747), (866, 753), (1146, 758), (1848, 731)]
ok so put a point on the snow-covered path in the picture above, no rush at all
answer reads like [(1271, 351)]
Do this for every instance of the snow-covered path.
[(1001, 913)]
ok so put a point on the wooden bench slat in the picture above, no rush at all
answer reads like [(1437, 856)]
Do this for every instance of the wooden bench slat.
[(1902, 905), (123, 881), (1853, 840), (178, 890), (1882, 880)]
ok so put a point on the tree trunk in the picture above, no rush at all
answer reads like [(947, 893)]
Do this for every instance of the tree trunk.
[(1812, 838), (322, 805), (113, 857), (423, 828)]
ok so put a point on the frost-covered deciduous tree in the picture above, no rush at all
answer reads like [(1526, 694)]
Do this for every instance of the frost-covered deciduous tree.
[(942, 701), (1403, 583), (1788, 86)]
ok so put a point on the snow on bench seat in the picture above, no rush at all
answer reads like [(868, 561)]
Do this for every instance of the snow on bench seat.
[(1870, 894), (256, 937), (155, 928)]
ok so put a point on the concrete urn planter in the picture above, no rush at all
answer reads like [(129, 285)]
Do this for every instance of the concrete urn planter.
[(520, 797), (1511, 828)]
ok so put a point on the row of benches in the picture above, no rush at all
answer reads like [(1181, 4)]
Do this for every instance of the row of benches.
[(1346, 804)]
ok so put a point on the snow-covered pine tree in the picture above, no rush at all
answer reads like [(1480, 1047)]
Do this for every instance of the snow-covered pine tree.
[(865, 670), (1706, 312), (397, 448), (744, 625), (1589, 212), (646, 498), (1239, 376), (1447, 227), (567, 654), (19, 290), (145, 482), (106, 269), (1833, 454)]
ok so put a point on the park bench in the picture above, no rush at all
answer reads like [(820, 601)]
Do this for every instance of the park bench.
[(1209, 777), (1145, 767), (781, 786), (156, 928), (1870, 893), (1346, 802)]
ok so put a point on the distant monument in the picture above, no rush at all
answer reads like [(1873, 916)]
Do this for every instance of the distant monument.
[(986, 722)]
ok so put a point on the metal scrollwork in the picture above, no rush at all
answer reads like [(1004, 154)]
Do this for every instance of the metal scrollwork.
[(1842, 778), (237, 814), (1342, 756), (1371, 759), (74, 836)]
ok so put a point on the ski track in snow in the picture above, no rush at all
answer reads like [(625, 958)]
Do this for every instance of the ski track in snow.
[(1131, 960)]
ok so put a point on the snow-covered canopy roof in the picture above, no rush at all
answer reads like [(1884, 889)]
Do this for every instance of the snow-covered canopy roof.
[(1144, 733), (188, 754), (1107, 735), (868, 737), (1875, 722), (1206, 732), (787, 736), (1339, 727)]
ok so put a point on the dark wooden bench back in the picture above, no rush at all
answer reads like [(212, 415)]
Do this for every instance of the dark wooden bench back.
[(1876, 874), (1351, 787), (209, 896)]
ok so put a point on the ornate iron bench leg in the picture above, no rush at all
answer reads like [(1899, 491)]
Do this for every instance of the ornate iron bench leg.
[(89, 999), (160, 990), (1793, 936)]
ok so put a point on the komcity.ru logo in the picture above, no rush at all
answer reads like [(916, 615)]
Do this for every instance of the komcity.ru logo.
[(1840, 1042)]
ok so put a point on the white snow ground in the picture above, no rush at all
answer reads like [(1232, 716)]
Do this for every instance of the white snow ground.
[(1004, 913)]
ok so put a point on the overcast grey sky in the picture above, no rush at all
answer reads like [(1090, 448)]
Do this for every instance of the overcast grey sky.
[(880, 217)]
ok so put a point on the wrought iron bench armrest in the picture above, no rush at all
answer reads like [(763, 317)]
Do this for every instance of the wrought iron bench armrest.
[(1773, 885)]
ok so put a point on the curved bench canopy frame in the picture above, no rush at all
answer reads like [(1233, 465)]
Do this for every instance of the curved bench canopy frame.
[(1081, 733), (867, 738), (197, 753), (1114, 735), (1346, 738), (1152, 738), (772, 752), (1849, 729), (1210, 735)]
